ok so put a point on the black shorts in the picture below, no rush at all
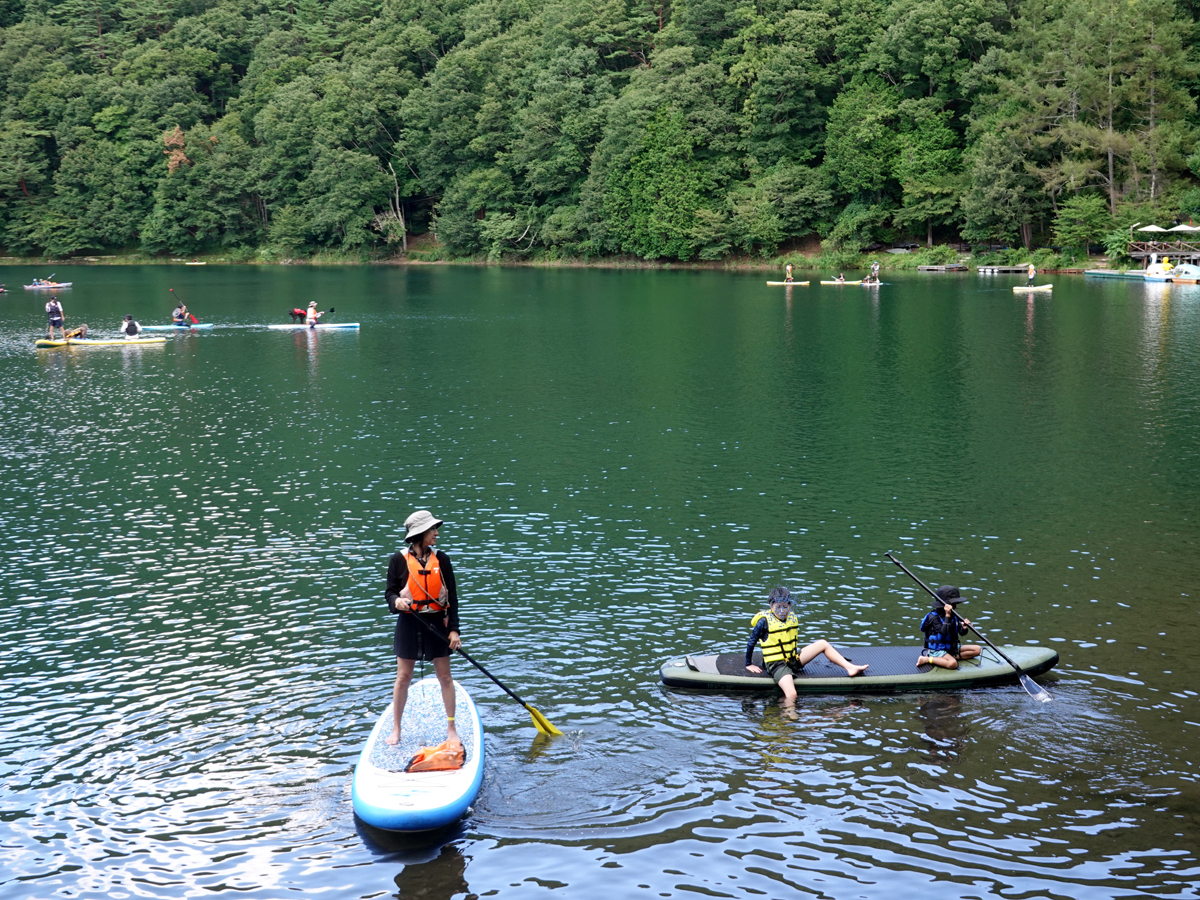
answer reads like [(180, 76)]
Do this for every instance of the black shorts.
[(778, 669), (56, 322), (412, 641)]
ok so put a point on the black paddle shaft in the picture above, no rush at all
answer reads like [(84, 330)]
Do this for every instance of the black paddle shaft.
[(471, 660), (931, 593)]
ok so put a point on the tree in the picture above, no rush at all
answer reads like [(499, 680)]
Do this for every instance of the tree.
[(1081, 221), (998, 206)]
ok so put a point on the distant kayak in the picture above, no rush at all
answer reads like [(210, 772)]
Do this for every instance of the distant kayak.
[(320, 326), (176, 327), (1040, 287), (790, 283), (386, 796), (48, 287), (892, 669), (47, 344)]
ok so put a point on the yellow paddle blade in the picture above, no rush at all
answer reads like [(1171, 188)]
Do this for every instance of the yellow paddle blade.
[(540, 722)]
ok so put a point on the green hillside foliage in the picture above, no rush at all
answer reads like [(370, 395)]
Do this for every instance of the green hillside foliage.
[(516, 129)]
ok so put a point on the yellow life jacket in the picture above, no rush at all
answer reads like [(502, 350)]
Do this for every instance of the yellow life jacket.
[(780, 643), (425, 583)]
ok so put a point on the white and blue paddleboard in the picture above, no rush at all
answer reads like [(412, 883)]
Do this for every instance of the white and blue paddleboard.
[(320, 326), (176, 327), (386, 796)]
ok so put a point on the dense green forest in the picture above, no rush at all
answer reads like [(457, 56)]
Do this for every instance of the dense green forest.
[(697, 129)]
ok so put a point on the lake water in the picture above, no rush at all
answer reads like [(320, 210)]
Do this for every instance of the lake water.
[(195, 536)]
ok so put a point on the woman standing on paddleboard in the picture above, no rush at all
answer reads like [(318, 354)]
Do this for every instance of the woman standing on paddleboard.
[(420, 583)]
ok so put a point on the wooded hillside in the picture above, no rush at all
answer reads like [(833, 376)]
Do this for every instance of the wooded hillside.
[(511, 128)]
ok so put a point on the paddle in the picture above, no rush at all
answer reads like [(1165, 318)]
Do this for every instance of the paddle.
[(1035, 690), (540, 722)]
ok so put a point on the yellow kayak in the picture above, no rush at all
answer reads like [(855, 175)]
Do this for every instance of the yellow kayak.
[(47, 344)]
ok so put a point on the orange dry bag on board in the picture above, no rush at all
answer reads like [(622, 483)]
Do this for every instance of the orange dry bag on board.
[(446, 755)]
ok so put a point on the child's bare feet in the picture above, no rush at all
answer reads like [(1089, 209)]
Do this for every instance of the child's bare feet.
[(394, 738), (923, 660)]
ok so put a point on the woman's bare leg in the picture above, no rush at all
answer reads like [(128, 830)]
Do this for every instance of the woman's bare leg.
[(441, 668), (404, 670)]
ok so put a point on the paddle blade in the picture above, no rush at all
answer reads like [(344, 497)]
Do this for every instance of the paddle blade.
[(195, 321), (540, 722), (1035, 690)]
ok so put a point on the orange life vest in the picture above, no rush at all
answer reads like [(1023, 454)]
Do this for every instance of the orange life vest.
[(446, 755), (425, 583)]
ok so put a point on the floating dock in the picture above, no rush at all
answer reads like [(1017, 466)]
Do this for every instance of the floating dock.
[(1132, 274)]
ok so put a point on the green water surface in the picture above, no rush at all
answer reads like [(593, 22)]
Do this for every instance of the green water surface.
[(195, 536)]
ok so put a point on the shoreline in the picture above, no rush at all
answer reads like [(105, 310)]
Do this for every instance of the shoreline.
[(727, 265)]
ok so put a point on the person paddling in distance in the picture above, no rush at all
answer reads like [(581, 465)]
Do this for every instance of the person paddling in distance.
[(942, 628), (1032, 275), (420, 582), (776, 629), (841, 279), (787, 273), (179, 316), (54, 312), (312, 317)]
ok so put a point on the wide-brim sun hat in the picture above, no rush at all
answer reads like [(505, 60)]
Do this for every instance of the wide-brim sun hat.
[(419, 523), (947, 593)]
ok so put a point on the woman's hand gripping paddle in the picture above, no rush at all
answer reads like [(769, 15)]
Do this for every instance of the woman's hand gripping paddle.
[(540, 722), (1035, 690)]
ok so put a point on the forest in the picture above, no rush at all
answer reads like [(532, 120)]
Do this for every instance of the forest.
[(564, 129)]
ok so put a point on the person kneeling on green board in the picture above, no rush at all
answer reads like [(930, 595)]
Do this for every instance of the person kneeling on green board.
[(942, 629), (776, 629)]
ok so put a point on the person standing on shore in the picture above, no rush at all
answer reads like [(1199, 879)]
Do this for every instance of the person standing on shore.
[(420, 582)]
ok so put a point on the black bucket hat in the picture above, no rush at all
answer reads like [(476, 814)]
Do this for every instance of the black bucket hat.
[(947, 593)]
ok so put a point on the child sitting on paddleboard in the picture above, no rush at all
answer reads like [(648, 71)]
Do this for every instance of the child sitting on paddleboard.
[(776, 629), (942, 628)]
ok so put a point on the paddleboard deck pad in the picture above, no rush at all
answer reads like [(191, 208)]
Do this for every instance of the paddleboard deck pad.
[(892, 669), (386, 796)]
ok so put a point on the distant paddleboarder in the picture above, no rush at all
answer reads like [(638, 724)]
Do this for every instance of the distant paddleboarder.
[(130, 328), (787, 273), (1032, 275), (54, 312)]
